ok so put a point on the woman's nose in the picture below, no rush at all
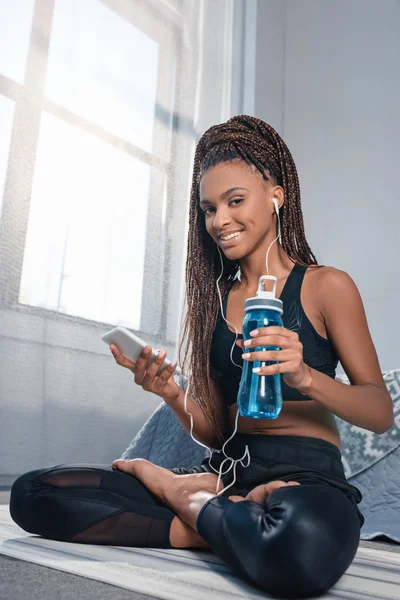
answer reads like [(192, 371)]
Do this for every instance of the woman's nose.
[(221, 219)]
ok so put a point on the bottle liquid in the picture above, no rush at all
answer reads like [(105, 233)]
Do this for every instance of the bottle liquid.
[(260, 396)]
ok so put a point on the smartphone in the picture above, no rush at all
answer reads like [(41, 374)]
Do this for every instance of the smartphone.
[(131, 346)]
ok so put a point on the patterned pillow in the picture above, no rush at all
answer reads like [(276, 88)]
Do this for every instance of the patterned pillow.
[(361, 448)]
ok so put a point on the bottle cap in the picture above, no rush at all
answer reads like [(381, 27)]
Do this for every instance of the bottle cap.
[(263, 297), (262, 292)]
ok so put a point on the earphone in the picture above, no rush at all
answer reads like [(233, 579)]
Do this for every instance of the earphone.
[(246, 452), (274, 200)]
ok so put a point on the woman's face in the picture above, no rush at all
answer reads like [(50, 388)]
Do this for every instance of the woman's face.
[(235, 199)]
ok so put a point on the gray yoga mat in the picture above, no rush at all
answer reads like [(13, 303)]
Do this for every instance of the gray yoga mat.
[(171, 574)]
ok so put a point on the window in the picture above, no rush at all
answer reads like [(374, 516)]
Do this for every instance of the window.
[(6, 119), (87, 98), (15, 30)]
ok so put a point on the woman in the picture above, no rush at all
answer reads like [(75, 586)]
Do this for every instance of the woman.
[(290, 522)]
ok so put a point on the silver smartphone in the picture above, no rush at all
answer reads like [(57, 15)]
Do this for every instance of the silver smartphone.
[(131, 346)]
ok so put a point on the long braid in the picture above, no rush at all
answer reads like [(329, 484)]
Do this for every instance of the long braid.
[(257, 143)]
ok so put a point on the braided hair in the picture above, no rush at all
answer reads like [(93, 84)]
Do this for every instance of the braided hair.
[(251, 140)]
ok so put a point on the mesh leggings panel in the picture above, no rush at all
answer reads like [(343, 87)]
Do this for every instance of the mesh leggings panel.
[(92, 504), (125, 529)]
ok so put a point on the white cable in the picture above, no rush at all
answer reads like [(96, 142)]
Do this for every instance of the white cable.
[(246, 452), (222, 310), (234, 462), (238, 274), (278, 236)]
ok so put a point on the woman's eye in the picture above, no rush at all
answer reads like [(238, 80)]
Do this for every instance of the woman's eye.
[(212, 208)]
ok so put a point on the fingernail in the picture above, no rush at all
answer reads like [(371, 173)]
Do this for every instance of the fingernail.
[(247, 343), (254, 332), (173, 364), (256, 370), (246, 355)]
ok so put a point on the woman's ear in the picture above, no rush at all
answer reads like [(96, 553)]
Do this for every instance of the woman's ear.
[(279, 194)]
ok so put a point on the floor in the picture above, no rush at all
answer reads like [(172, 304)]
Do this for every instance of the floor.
[(20, 579), (4, 497)]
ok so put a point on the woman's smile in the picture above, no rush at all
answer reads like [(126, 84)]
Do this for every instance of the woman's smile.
[(231, 240)]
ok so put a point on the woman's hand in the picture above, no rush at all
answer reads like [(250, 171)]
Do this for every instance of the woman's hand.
[(260, 493), (162, 385), (295, 372)]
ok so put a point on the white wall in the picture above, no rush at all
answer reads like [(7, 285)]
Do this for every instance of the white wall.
[(328, 79)]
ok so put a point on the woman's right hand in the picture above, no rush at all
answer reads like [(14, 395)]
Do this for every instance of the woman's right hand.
[(162, 385)]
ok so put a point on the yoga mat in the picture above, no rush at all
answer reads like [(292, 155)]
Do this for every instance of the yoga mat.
[(199, 575)]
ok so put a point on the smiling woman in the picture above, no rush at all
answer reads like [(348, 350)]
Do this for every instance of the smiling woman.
[(242, 168), (245, 192)]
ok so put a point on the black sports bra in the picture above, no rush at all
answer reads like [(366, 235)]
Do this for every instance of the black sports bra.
[(318, 352)]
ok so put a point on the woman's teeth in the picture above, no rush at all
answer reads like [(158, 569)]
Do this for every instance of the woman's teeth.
[(232, 235)]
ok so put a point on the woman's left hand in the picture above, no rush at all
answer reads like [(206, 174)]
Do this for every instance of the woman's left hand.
[(295, 372), (260, 493)]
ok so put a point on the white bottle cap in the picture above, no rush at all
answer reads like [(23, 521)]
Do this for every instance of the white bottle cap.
[(263, 298), (262, 292)]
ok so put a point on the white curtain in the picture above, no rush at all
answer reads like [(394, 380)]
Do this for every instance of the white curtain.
[(101, 105)]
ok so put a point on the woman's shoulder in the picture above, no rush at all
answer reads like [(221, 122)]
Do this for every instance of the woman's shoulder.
[(329, 282), (328, 275)]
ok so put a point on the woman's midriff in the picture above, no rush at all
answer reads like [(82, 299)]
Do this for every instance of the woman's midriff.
[(305, 418)]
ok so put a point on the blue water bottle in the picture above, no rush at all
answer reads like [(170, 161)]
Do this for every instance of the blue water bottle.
[(260, 396)]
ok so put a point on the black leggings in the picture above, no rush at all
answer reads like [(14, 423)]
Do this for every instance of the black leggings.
[(298, 544)]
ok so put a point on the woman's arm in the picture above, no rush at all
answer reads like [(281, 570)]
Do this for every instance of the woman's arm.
[(366, 402), (201, 427)]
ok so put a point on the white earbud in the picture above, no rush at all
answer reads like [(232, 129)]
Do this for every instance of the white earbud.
[(274, 200)]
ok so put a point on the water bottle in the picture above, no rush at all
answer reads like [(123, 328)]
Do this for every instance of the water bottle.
[(260, 396)]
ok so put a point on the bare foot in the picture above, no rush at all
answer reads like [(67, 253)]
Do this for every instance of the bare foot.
[(184, 494)]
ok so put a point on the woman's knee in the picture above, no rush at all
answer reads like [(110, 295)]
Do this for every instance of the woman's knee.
[(324, 530), (22, 498), (301, 544), (46, 501)]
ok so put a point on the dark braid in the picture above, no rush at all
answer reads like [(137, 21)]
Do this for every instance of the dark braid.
[(257, 143)]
